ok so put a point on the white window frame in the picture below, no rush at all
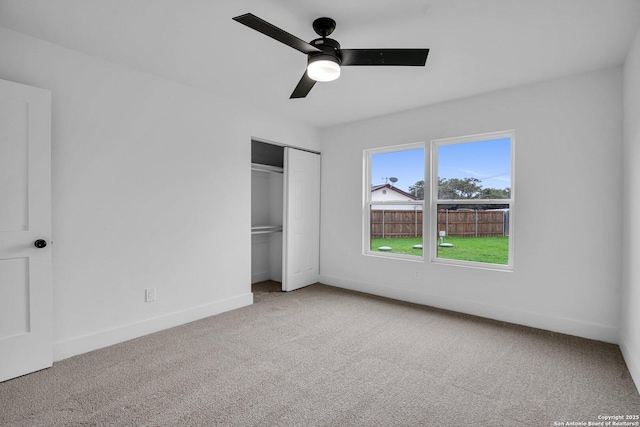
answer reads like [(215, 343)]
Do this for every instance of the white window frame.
[(434, 201), (367, 203)]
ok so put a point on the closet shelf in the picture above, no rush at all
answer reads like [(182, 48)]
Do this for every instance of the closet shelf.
[(264, 229), (266, 168)]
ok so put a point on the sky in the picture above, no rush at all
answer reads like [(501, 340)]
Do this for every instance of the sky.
[(489, 161), (407, 166)]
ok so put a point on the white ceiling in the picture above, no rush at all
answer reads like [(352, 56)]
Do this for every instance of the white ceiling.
[(476, 46)]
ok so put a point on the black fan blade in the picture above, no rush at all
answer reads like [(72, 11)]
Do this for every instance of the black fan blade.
[(252, 21), (304, 86), (411, 57)]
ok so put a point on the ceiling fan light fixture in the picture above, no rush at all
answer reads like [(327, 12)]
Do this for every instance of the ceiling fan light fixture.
[(323, 68), (325, 56)]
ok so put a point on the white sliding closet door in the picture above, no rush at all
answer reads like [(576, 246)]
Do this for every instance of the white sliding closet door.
[(301, 259)]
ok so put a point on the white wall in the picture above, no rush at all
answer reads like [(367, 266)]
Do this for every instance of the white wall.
[(138, 167), (630, 328), (567, 215)]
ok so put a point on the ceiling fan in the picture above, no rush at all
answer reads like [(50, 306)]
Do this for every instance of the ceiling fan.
[(324, 55)]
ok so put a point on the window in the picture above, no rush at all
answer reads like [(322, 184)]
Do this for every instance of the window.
[(394, 201), (472, 195)]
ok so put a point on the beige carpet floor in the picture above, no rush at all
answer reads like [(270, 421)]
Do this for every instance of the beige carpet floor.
[(322, 356)]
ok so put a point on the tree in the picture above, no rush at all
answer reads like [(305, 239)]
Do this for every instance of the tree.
[(465, 188), (495, 193), (417, 190), (456, 188)]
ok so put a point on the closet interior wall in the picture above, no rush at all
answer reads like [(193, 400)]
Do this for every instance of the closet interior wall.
[(267, 205)]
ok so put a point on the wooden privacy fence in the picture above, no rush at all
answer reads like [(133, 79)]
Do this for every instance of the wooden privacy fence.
[(464, 223), (391, 223), (473, 223)]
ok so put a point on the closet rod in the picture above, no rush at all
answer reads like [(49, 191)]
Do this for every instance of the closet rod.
[(266, 232), (266, 168), (264, 229)]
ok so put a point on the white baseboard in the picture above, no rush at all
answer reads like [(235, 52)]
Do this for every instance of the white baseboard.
[(632, 360), (567, 326), (101, 339)]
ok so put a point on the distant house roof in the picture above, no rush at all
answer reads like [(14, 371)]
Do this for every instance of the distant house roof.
[(391, 187)]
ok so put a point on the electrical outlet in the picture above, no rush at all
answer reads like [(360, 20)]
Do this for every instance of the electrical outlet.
[(149, 294), (416, 275)]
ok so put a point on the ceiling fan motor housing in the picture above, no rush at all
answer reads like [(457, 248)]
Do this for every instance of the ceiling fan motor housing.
[(329, 47), (324, 66)]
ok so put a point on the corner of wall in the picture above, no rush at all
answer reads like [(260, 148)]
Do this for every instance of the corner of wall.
[(633, 362), (630, 295)]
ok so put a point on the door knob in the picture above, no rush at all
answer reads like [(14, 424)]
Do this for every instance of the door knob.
[(40, 243)]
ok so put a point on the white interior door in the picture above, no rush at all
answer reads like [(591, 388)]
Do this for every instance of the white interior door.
[(301, 260), (25, 217)]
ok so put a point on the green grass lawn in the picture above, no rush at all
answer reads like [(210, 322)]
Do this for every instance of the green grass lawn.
[(401, 245), (493, 250)]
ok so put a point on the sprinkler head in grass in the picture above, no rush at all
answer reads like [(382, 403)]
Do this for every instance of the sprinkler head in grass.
[(442, 243)]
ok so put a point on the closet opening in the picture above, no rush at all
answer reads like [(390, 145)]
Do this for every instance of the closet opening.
[(267, 203), (285, 216)]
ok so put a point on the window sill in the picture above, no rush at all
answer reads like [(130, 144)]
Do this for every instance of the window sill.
[(401, 257), (474, 265)]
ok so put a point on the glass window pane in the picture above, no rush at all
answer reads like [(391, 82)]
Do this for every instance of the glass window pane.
[(396, 231), (475, 170), (477, 233), (397, 176), (401, 171)]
